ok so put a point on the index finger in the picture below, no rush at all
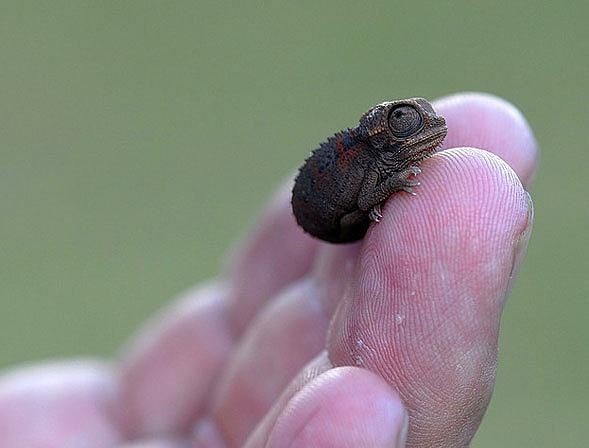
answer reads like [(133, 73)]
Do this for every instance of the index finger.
[(426, 297)]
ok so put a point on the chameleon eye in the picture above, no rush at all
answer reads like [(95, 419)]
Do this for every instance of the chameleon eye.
[(404, 120)]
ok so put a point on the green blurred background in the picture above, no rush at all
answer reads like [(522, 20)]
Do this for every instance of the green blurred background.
[(137, 138)]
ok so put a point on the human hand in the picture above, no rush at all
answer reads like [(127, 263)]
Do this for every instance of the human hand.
[(300, 343)]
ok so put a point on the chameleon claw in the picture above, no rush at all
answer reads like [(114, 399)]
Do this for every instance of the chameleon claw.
[(407, 183), (375, 213)]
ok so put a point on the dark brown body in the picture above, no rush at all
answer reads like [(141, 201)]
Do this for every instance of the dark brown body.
[(340, 187), (328, 186)]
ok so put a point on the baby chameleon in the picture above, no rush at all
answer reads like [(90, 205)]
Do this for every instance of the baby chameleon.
[(341, 186)]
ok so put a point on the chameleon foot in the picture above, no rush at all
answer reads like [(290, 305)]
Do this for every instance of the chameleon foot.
[(375, 213), (406, 184)]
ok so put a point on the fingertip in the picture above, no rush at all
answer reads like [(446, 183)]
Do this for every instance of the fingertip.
[(174, 358), (343, 407), (485, 121), (470, 219), (465, 192), (54, 403)]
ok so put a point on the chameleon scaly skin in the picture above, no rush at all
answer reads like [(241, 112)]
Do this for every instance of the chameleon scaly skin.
[(341, 186)]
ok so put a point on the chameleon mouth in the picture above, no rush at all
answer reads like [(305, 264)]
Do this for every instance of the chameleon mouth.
[(429, 141)]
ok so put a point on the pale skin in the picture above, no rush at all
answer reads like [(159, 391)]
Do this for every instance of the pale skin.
[(413, 313)]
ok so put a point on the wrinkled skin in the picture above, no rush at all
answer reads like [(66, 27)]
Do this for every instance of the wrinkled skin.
[(413, 315)]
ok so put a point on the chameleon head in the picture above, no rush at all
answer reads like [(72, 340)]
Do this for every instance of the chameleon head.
[(410, 128)]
